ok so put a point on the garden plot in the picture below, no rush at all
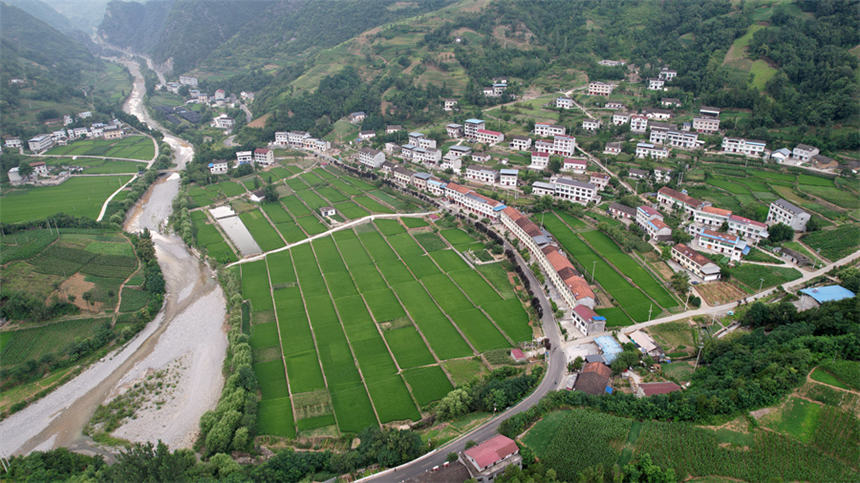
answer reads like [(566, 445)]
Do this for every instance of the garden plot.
[(236, 230)]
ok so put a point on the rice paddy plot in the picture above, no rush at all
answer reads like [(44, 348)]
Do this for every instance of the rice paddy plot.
[(255, 285), (210, 239), (327, 255), (412, 222), (295, 206), (352, 408), (331, 194), (497, 275), (837, 243), (281, 270), (630, 267), (313, 200), (428, 384), (767, 276), (17, 346), (276, 213), (443, 337), (275, 417), (392, 401), (277, 172), (372, 205), (350, 210), (615, 317), (311, 225), (273, 383), (457, 237), (384, 305), (262, 231), (481, 332), (408, 347)]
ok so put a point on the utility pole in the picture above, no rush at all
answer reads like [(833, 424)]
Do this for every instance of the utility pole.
[(649, 311), (593, 268), (760, 283)]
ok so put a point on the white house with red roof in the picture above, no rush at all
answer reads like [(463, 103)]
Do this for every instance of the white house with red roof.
[(489, 459), (539, 160), (488, 137), (264, 157), (587, 320), (574, 165)]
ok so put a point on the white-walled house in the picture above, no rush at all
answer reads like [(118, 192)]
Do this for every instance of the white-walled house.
[(782, 211), (218, 167)]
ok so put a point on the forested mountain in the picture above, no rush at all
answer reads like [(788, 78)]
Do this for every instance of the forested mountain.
[(228, 34), (43, 12), (55, 73)]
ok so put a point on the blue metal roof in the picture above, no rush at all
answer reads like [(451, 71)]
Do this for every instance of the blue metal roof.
[(474, 121), (509, 171), (499, 207), (609, 346), (828, 293)]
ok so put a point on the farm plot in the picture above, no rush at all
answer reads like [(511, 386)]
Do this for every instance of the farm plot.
[(630, 267), (25, 244), (17, 346), (837, 243), (210, 239), (97, 165), (79, 196), (132, 147), (428, 384), (262, 231), (372, 205), (633, 301), (753, 276)]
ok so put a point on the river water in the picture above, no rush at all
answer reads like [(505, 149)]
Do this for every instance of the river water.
[(188, 335)]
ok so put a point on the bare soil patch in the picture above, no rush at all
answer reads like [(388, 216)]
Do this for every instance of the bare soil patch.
[(718, 293), (260, 122), (75, 287)]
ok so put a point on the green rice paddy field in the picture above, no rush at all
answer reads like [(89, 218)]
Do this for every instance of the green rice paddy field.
[(77, 196), (354, 329), (632, 301), (132, 147)]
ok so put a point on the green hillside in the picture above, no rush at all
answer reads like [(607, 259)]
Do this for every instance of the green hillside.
[(58, 75)]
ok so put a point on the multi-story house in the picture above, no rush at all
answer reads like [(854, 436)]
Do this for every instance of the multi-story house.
[(41, 143), (264, 157), (671, 199), (637, 173), (244, 157), (655, 84), (436, 186), (587, 321), (521, 143), (591, 124), (707, 125), (597, 88), (747, 229), (402, 176), (613, 148), (223, 121), (726, 244), (449, 104), (471, 128), (683, 140), (508, 177), (488, 137), (648, 150), (620, 118), (282, 138), (539, 160), (218, 167), (481, 174), (695, 263), (566, 189), (601, 180), (638, 123), (614, 105), (651, 221), (459, 151), (782, 211), (804, 152), (544, 129), (670, 102), (454, 131), (371, 157), (662, 175), (621, 212), (667, 74), (563, 145), (564, 103), (747, 147), (574, 165), (711, 217), (657, 114)]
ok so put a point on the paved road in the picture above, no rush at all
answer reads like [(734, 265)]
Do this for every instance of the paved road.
[(555, 370)]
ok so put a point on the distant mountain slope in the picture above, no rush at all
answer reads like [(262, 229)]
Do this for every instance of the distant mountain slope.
[(43, 12), (133, 25), (57, 74)]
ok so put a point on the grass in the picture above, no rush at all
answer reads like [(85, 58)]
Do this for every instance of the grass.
[(78, 196), (798, 419), (837, 243), (839, 373), (133, 299), (25, 244), (463, 371)]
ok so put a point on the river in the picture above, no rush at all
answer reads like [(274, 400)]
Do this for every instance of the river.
[(187, 338)]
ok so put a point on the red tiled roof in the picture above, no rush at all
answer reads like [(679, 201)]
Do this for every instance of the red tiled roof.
[(597, 368), (458, 188), (488, 132), (512, 213), (652, 388), (528, 226), (261, 151), (659, 224), (517, 355), (648, 210), (747, 221), (492, 450), (717, 211), (540, 154), (580, 288), (584, 312), (677, 195), (575, 161), (37, 163), (693, 255), (716, 234)]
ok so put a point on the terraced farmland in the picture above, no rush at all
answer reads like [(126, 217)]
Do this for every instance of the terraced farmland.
[(354, 329)]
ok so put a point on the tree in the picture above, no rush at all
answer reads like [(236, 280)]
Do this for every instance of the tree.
[(680, 282), (544, 203), (270, 194), (780, 232), (24, 169), (145, 462), (575, 365), (680, 236), (454, 404)]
